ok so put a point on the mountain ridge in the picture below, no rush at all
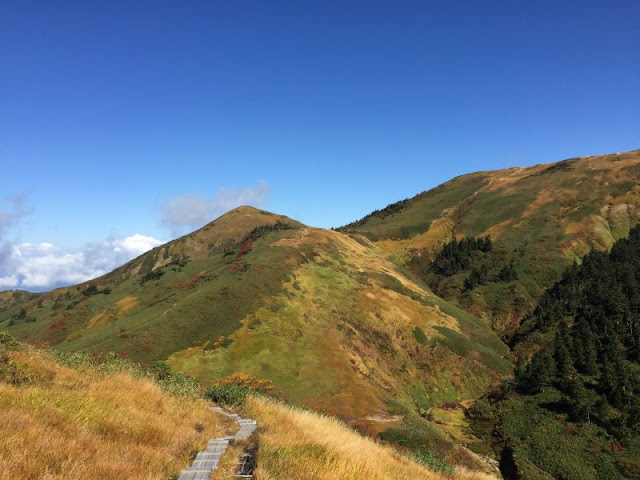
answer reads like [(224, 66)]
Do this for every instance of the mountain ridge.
[(552, 213)]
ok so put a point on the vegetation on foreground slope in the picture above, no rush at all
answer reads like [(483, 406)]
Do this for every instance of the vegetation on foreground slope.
[(574, 411), (540, 219), (294, 443), (99, 421)]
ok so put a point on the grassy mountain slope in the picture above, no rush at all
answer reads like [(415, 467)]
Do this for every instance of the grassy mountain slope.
[(11, 298), (194, 289), (346, 318), (88, 421), (326, 317), (542, 218), (299, 444), (343, 322), (66, 416)]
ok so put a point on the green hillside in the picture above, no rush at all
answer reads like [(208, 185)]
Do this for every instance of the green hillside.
[(193, 289), (540, 219), (326, 317)]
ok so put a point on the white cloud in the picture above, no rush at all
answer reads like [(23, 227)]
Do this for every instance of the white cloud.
[(43, 266), (12, 213), (193, 211), (10, 281), (135, 244)]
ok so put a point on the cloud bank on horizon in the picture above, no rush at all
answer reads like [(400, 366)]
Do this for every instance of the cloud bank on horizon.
[(43, 266)]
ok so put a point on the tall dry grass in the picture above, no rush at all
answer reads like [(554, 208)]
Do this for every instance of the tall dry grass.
[(60, 423), (296, 444)]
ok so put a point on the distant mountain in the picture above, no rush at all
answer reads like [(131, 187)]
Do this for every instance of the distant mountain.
[(540, 220), (11, 298), (145, 309)]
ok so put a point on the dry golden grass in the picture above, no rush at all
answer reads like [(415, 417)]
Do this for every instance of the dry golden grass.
[(296, 444), (60, 423), (127, 305), (98, 320)]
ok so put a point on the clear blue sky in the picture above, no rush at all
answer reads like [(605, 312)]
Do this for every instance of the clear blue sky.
[(108, 110)]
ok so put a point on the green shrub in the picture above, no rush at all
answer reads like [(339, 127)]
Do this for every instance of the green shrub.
[(151, 276), (11, 373), (72, 359), (434, 463), (630, 467), (90, 290), (229, 395), (7, 341), (179, 385), (419, 436), (420, 336), (263, 229)]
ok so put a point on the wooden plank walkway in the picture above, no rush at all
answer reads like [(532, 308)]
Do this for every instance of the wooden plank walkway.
[(207, 460)]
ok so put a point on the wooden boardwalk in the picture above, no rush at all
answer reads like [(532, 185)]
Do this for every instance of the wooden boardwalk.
[(206, 461)]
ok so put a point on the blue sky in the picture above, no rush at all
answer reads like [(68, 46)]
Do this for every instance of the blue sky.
[(114, 113)]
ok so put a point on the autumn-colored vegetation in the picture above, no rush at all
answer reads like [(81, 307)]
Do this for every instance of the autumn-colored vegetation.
[(300, 444), (94, 421)]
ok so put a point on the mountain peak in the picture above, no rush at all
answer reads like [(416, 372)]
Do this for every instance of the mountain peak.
[(217, 236), (243, 219), (247, 210)]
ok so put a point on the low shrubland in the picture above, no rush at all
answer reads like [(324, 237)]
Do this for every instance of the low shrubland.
[(233, 390)]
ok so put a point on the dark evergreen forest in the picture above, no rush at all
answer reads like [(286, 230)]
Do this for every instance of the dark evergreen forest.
[(593, 357), (573, 411)]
